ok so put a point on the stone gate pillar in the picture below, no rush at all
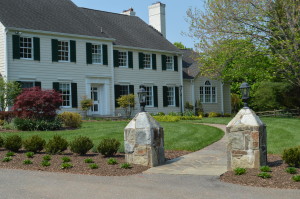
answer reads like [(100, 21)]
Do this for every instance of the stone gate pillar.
[(247, 141), (144, 141)]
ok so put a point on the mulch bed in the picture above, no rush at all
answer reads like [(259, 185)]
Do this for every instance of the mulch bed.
[(280, 178), (79, 166)]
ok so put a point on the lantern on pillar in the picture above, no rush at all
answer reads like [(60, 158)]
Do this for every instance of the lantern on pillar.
[(142, 94), (245, 91)]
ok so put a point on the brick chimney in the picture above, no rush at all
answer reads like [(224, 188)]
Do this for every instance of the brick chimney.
[(157, 17), (129, 12)]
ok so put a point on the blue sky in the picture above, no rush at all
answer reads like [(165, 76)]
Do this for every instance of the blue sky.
[(175, 13)]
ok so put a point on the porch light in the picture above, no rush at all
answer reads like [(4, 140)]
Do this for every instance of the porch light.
[(245, 91), (142, 94)]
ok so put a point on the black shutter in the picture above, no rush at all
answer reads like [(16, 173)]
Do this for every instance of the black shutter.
[(165, 96), (155, 96), (39, 84), (175, 63), (54, 50), (177, 96), (73, 51), (56, 86), (74, 95), (116, 58), (164, 62), (105, 54), (89, 59), (16, 47), (154, 61), (36, 49), (131, 89), (130, 59), (117, 94), (141, 60)]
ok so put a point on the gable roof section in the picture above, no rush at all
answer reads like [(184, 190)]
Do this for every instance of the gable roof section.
[(130, 31), (60, 16), (190, 67)]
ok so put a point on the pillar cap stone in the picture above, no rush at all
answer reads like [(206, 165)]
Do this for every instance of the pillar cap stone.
[(143, 120), (246, 116)]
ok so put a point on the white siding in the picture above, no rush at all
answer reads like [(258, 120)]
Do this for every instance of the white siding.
[(2, 49), (145, 77), (48, 72)]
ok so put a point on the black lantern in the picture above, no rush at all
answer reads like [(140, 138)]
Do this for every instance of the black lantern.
[(142, 94), (245, 91)]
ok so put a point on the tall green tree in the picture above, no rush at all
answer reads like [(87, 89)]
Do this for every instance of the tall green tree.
[(179, 45), (270, 24), (9, 90)]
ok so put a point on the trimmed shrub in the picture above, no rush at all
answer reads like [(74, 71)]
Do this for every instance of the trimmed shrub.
[(112, 161), (47, 158), (1, 142), (88, 160), (6, 159), (108, 147), (35, 103), (27, 162), (296, 178), (10, 154), (29, 154), (13, 143), (66, 166), (34, 144), (167, 118), (66, 159), (264, 175), (291, 170), (214, 114), (125, 166), (56, 145), (70, 119), (265, 169), (291, 156), (26, 124), (81, 145), (94, 166), (45, 163), (190, 117)]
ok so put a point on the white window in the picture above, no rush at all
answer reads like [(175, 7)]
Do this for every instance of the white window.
[(96, 54), (169, 62), (122, 58), (65, 89), (63, 51), (26, 48), (171, 96), (124, 90), (147, 61), (208, 93), (150, 96)]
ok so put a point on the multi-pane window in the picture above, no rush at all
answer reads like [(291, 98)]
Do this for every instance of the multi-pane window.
[(27, 84), (147, 61), (124, 90), (171, 96), (169, 62), (63, 51), (96, 54), (122, 58), (65, 89), (26, 48), (208, 93), (149, 98)]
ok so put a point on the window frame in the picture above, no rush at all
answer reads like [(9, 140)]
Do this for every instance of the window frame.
[(33, 83), (101, 53), (62, 94), (31, 48), (127, 64), (174, 96), (150, 61), (152, 96), (169, 57), (69, 51), (121, 90), (204, 94)]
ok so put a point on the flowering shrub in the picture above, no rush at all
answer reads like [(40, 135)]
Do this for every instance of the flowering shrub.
[(35, 103)]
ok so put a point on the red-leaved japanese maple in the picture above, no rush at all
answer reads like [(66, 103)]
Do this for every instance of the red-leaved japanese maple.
[(35, 103)]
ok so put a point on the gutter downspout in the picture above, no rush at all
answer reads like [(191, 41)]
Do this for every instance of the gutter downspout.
[(222, 97), (112, 79), (193, 93)]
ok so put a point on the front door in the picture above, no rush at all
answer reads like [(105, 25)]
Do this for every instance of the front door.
[(95, 96)]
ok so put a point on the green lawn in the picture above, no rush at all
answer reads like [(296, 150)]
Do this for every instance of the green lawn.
[(178, 135), (281, 132)]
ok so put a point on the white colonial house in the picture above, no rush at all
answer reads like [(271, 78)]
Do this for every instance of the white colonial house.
[(101, 55)]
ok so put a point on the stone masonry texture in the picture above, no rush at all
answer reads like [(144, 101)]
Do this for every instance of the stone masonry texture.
[(247, 141)]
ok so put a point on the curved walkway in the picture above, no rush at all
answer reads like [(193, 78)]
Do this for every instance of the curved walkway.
[(211, 160)]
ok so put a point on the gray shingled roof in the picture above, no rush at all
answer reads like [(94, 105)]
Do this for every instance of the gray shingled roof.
[(190, 67), (130, 30), (61, 16)]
